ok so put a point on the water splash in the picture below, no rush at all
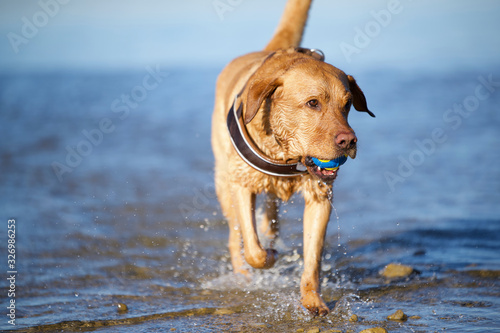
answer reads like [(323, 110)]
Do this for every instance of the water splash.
[(350, 304), (330, 198), (284, 275), (338, 224), (337, 218)]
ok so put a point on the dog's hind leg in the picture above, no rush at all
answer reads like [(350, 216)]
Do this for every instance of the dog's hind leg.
[(269, 225)]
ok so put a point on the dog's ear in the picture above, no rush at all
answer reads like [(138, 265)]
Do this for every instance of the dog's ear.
[(358, 98), (256, 92)]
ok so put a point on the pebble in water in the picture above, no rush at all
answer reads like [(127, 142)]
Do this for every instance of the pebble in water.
[(354, 318), (399, 315), (122, 307), (374, 330), (397, 271), (223, 312)]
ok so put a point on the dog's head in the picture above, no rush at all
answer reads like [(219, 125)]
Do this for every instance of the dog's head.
[(305, 103)]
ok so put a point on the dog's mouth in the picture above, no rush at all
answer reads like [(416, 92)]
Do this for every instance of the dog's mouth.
[(325, 170)]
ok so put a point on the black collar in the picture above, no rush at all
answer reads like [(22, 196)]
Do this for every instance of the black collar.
[(251, 154)]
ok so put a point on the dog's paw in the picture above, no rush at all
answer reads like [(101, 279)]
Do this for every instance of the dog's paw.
[(315, 305), (263, 260), (271, 257), (319, 311)]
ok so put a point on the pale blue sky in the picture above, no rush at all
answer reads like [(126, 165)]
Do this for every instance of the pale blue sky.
[(121, 34)]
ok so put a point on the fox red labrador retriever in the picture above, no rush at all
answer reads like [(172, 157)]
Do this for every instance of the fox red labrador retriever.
[(279, 127)]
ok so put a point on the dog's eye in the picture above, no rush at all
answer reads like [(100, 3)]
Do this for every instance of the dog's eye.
[(313, 104)]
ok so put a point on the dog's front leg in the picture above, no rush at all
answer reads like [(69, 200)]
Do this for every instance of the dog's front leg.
[(255, 255), (316, 216)]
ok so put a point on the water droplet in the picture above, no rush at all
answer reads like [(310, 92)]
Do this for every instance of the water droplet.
[(338, 224)]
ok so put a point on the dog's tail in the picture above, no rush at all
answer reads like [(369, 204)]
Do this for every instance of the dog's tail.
[(291, 27)]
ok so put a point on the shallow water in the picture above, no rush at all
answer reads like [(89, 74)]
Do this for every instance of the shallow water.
[(134, 219)]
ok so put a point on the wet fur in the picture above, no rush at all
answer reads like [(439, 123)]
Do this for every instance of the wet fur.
[(276, 86)]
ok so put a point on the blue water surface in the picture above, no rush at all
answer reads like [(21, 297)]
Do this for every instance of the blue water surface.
[(115, 202)]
